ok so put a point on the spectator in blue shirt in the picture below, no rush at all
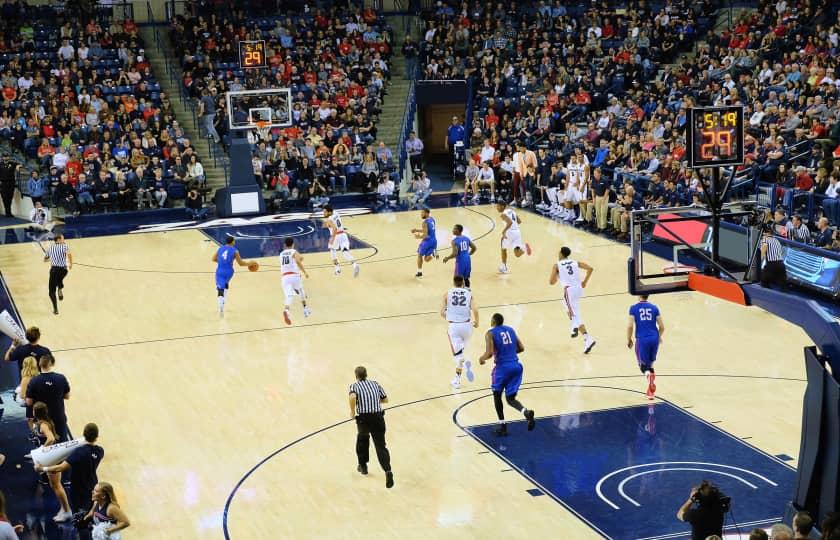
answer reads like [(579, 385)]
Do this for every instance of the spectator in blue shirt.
[(84, 193), (454, 134), (37, 187)]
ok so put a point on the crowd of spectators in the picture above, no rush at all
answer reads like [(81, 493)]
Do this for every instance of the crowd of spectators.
[(79, 494), (334, 60), (81, 104), (612, 85)]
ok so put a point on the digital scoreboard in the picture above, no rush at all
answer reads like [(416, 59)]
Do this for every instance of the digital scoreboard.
[(715, 136), (252, 55)]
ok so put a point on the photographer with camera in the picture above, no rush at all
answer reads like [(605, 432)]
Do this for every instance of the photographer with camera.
[(704, 510)]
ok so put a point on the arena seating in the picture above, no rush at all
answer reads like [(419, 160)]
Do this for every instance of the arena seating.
[(615, 82), (82, 99), (335, 61)]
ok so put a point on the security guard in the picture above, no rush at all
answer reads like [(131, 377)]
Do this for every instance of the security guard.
[(772, 256)]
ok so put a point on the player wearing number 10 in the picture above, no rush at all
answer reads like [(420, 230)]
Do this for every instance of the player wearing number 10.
[(224, 258), (462, 250), (649, 329)]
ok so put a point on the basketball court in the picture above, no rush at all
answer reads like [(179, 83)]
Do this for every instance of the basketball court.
[(239, 427)]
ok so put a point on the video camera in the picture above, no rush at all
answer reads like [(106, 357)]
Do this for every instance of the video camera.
[(711, 496)]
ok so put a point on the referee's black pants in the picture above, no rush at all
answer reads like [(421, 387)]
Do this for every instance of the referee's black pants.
[(57, 274), (774, 274), (372, 425)]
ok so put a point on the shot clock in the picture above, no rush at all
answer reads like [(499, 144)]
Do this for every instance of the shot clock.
[(715, 136), (252, 55)]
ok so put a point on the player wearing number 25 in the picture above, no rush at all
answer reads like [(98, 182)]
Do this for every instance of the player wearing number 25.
[(649, 329)]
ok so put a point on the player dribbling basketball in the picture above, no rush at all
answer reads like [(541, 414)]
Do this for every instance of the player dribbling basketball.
[(291, 268), (224, 259)]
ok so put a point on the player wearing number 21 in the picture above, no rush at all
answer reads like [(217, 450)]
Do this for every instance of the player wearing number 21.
[(649, 329), (460, 311), (567, 272), (224, 258)]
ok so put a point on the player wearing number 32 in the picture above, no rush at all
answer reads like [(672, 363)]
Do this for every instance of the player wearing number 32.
[(567, 272), (649, 329), (460, 311), (224, 258)]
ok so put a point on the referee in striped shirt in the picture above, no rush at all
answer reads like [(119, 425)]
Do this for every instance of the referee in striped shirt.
[(772, 255), (366, 399), (61, 261)]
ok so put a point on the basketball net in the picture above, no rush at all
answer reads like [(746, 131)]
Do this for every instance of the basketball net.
[(263, 128)]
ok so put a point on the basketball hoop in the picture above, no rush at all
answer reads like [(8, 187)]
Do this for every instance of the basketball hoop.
[(679, 269), (263, 128)]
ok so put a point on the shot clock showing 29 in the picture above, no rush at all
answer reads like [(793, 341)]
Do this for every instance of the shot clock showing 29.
[(252, 55), (715, 136)]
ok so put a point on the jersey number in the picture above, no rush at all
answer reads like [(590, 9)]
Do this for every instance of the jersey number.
[(646, 314), (338, 222), (286, 259), (465, 245), (569, 269), (459, 300), (224, 255), (505, 338)]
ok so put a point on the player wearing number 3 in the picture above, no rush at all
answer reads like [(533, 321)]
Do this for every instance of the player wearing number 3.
[(567, 272), (224, 258), (461, 313), (649, 329)]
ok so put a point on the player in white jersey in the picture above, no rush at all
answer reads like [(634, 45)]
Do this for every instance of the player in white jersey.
[(511, 235), (339, 240), (460, 310), (567, 272), (291, 268)]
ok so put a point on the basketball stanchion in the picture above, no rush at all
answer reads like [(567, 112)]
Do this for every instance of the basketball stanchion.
[(10, 327)]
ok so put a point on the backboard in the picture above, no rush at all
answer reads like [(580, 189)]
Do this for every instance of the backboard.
[(248, 107), (669, 245)]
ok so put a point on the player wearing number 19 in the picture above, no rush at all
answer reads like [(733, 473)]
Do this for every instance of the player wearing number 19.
[(460, 311), (504, 346), (649, 329), (462, 250), (224, 258)]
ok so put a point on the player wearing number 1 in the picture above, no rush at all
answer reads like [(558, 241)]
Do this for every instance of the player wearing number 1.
[(460, 311), (291, 267), (567, 272), (339, 241), (504, 346), (511, 235), (224, 258), (649, 329), (462, 250)]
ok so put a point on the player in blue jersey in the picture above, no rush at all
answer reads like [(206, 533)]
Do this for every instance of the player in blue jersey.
[(428, 244), (224, 258), (649, 329), (504, 346), (462, 250)]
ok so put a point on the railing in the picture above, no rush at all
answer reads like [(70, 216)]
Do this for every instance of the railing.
[(406, 126), (175, 74)]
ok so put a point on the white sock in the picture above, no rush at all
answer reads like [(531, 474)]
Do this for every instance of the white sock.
[(221, 302)]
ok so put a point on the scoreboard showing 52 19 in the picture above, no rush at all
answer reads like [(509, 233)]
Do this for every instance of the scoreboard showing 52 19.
[(715, 136)]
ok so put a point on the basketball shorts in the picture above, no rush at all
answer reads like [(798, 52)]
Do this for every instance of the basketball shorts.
[(427, 247), (513, 240), (463, 267), (292, 286), (223, 279), (341, 242), (646, 350), (507, 378), (459, 334), (572, 296)]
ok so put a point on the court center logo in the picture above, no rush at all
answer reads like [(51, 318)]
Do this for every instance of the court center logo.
[(244, 222), (628, 474)]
